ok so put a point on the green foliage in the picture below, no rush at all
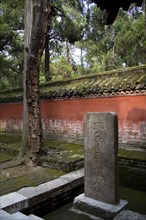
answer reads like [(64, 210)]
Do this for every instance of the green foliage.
[(66, 24), (70, 27), (130, 41), (112, 47), (72, 24), (61, 69), (11, 43)]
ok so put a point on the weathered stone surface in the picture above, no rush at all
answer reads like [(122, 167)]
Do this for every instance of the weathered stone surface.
[(34, 217), (17, 216), (43, 192), (13, 202), (101, 196), (97, 208), (52, 188), (20, 216), (76, 176), (130, 215), (100, 163), (5, 216)]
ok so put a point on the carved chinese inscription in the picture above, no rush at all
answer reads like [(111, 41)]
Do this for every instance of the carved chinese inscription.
[(101, 142), (98, 129)]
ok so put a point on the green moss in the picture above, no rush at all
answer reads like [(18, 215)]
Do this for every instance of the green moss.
[(5, 157), (10, 138), (136, 199), (68, 151), (137, 155), (12, 179), (65, 152), (111, 79), (11, 93), (61, 144)]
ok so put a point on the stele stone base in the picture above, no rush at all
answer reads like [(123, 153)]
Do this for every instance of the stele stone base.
[(97, 208)]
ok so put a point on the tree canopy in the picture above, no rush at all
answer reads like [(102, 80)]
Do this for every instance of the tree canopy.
[(78, 41), (11, 43)]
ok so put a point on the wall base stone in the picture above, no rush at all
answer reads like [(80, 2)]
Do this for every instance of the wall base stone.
[(97, 208)]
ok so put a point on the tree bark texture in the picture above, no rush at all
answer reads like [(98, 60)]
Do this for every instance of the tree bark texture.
[(27, 37), (68, 52), (47, 59), (34, 51)]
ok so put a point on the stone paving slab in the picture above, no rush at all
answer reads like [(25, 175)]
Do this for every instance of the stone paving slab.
[(52, 188), (13, 202), (20, 216), (34, 217), (129, 215), (5, 216)]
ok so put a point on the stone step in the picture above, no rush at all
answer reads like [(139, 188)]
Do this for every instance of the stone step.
[(20, 216), (5, 216), (17, 216), (13, 202), (34, 217)]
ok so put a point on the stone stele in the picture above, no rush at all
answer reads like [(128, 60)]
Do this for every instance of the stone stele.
[(100, 163), (101, 146)]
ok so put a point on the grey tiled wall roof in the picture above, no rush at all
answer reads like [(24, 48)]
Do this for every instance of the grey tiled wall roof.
[(112, 83)]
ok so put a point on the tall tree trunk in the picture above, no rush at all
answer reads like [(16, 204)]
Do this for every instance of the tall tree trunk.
[(27, 36), (47, 59), (67, 52), (47, 52), (82, 63), (34, 52)]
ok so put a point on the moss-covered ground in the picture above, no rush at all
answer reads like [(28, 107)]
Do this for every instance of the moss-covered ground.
[(63, 150), (136, 199), (129, 154), (13, 140), (5, 157), (70, 151), (61, 153), (15, 178)]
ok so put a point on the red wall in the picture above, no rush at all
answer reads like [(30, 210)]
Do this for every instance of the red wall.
[(132, 108), (11, 111), (64, 118)]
